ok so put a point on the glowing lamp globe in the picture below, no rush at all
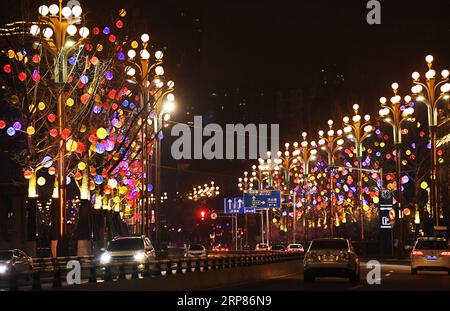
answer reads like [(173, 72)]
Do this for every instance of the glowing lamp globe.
[(30, 130), (84, 32), (66, 11), (78, 176), (159, 70), (41, 181), (170, 97), (145, 37), (71, 145), (424, 185), (76, 11), (102, 133), (47, 32), (145, 54), (27, 174), (65, 133), (112, 183), (51, 171), (81, 166), (131, 54), (53, 132), (53, 9), (100, 148), (43, 10), (34, 30), (159, 55), (71, 30)]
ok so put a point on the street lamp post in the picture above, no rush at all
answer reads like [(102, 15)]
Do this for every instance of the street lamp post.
[(161, 115), (139, 71), (245, 184), (287, 161), (307, 153), (395, 114), (427, 92), (204, 192), (358, 131), (331, 144), (56, 29), (259, 176), (268, 166)]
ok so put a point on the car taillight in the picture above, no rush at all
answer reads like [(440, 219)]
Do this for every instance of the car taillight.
[(417, 253), (446, 253)]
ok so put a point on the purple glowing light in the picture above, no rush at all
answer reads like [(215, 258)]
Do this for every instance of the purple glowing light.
[(109, 75), (17, 126)]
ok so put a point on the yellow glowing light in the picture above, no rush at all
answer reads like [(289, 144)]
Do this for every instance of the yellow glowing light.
[(71, 145), (366, 207), (70, 102), (81, 166), (102, 133), (382, 144), (41, 106), (11, 54), (30, 130), (424, 185), (41, 181), (376, 200), (134, 44)]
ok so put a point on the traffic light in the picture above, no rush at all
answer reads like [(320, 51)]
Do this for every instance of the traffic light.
[(203, 214)]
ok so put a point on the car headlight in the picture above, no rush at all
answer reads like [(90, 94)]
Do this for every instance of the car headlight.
[(3, 269), (140, 256), (105, 258)]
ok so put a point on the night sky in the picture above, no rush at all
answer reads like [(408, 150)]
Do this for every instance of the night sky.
[(322, 51)]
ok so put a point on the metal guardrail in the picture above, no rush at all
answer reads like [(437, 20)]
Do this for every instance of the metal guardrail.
[(52, 272)]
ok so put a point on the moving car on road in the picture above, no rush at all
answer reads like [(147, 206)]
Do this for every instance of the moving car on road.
[(296, 248), (128, 250), (15, 260), (220, 248), (331, 257), (262, 247), (196, 250), (430, 253)]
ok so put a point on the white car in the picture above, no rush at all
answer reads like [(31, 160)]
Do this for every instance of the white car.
[(430, 254), (295, 248), (196, 250), (12, 261), (262, 247), (332, 258), (128, 250)]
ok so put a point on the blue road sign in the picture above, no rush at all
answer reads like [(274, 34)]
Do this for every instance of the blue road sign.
[(269, 199), (235, 205)]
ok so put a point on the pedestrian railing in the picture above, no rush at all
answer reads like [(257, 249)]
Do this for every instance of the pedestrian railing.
[(48, 273)]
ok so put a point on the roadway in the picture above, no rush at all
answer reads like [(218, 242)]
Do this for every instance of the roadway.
[(394, 277)]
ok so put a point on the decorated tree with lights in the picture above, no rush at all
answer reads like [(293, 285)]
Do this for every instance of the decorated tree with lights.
[(73, 109)]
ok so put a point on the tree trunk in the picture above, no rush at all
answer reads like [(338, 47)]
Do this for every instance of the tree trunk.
[(84, 226)]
